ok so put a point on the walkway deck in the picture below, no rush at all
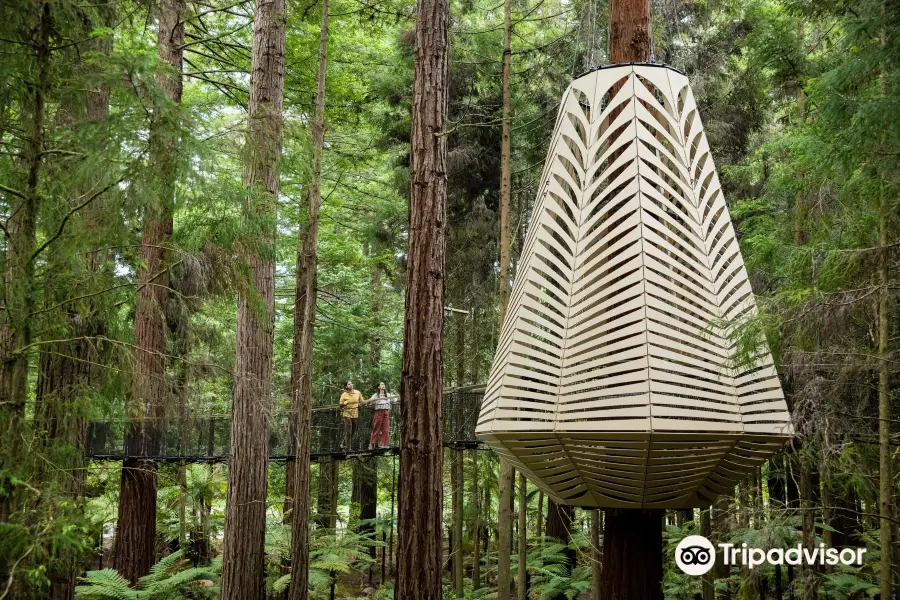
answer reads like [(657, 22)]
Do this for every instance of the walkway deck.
[(205, 439)]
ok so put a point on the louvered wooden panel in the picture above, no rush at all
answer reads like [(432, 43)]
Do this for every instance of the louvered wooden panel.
[(614, 383)]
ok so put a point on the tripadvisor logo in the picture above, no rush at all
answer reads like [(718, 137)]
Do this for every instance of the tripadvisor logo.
[(695, 555)]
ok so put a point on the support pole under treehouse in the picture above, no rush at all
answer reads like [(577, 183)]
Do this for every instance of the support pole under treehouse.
[(615, 384)]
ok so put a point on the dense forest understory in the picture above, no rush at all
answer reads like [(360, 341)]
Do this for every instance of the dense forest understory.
[(263, 210)]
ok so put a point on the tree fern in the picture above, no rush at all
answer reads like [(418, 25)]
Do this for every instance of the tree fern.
[(106, 583), (167, 580)]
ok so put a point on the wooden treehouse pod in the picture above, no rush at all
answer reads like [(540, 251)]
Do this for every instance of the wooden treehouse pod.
[(615, 383)]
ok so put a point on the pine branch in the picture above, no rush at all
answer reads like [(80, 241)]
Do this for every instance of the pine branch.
[(68, 216), (13, 192)]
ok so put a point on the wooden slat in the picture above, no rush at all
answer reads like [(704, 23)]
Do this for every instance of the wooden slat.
[(614, 383)]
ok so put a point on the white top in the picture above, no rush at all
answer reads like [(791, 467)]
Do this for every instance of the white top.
[(382, 402)]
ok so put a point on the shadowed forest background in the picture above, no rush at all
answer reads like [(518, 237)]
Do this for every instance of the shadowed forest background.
[(126, 148)]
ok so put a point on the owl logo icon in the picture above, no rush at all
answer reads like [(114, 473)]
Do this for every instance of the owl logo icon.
[(695, 555)]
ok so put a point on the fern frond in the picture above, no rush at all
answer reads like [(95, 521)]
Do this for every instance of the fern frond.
[(105, 584), (162, 569), (281, 584)]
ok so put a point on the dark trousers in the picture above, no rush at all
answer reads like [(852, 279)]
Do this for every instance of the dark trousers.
[(349, 428)]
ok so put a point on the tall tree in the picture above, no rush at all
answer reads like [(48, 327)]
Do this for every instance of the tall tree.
[(419, 552), (505, 485), (68, 371), (596, 566), (476, 524), (505, 173), (20, 232), (304, 330), (631, 536), (885, 471), (456, 484), (243, 568), (136, 525), (507, 472), (521, 574), (630, 31), (559, 527)]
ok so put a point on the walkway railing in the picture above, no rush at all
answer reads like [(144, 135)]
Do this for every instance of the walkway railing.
[(206, 438)]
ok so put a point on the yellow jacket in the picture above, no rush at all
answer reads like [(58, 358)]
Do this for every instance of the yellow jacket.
[(350, 404)]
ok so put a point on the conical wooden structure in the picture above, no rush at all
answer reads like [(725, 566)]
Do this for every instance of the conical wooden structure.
[(614, 383)]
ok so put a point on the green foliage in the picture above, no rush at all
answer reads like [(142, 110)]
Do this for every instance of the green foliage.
[(550, 570), (168, 579)]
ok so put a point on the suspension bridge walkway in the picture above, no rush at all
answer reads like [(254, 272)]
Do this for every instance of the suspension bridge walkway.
[(206, 439)]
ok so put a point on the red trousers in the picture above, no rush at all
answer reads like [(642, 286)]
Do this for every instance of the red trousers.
[(381, 427)]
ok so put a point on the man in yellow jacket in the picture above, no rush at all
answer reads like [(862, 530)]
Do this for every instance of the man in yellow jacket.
[(349, 402)]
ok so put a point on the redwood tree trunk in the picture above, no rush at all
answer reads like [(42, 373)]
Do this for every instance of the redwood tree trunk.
[(521, 575), (507, 473), (136, 530), (630, 31), (505, 178), (243, 568), (707, 585), (504, 526), (476, 524), (596, 565), (885, 470), (559, 525), (67, 369), (326, 502), (456, 485), (632, 537), (20, 244), (419, 552), (301, 369)]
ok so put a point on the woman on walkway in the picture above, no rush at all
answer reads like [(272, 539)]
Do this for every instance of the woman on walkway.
[(381, 424)]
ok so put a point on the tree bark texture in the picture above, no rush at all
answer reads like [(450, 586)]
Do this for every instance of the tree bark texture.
[(419, 552), (505, 177), (243, 569), (364, 498), (136, 529), (301, 368), (21, 242), (540, 515), (504, 525), (808, 506), (67, 369), (632, 537), (630, 31), (328, 486), (885, 472), (707, 585), (521, 574), (456, 484), (476, 524), (596, 565), (559, 527)]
